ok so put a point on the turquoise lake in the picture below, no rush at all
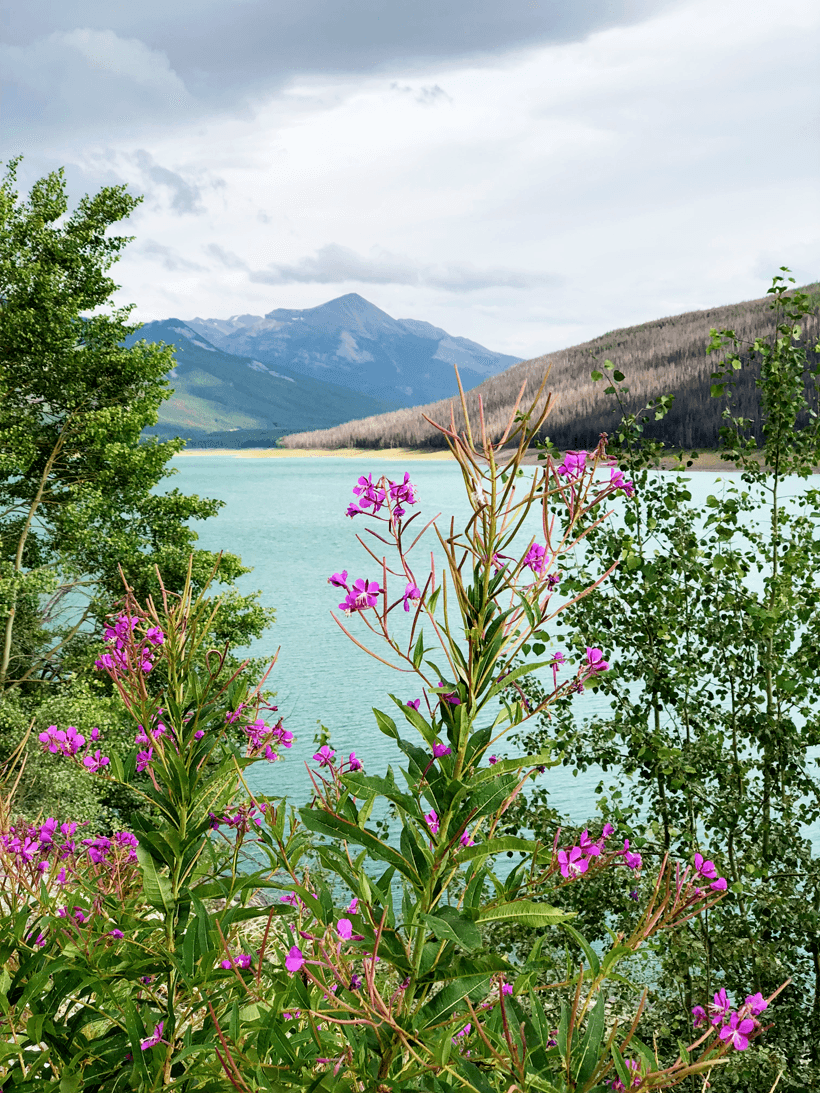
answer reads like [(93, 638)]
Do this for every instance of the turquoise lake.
[(285, 517)]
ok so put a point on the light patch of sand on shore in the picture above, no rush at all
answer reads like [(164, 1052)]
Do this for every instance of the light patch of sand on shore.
[(321, 453), (707, 461)]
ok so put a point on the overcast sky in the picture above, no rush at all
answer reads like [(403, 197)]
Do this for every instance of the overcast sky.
[(526, 173)]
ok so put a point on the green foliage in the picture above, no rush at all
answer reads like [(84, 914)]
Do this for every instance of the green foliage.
[(173, 963), (712, 619), (77, 484)]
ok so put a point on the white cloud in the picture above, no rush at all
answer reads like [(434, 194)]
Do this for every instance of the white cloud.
[(85, 81), (561, 191)]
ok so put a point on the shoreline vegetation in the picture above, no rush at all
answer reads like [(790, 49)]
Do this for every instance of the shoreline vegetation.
[(706, 461)]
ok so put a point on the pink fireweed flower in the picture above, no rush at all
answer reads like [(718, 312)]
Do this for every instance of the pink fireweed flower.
[(536, 559), (590, 848), (294, 960), (506, 988), (720, 1009), (325, 756), (353, 906), (432, 821), (96, 761), (465, 839), (338, 580), (369, 495), (595, 661), (440, 749), (574, 464), (493, 760), (737, 1031), (705, 868), (155, 636), (144, 759), (117, 934), (362, 595), (412, 594), (719, 885), (241, 961), (572, 862), (404, 492), (618, 482), (698, 1016), (608, 830), (414, 703), (632, 858), (344, 928), (354, 763), (756, 1004), (154, 1039)]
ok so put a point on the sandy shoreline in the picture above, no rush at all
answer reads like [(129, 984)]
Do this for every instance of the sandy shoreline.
[(707, 461)]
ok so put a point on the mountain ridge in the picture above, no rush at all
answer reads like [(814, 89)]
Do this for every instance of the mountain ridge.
[(355, 344)]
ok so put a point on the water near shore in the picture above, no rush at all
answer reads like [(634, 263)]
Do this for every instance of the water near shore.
[(286, 518)]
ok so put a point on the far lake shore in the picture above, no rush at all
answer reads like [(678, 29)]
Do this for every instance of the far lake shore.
[(707, 460)]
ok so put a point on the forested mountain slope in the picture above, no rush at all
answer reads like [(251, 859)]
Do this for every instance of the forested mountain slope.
[(659, 357)]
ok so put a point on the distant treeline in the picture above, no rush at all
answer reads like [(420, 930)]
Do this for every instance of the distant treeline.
[(667, 356)]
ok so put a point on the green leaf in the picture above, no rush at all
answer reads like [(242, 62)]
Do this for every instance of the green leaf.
[(597, 376), (336, 827), (589, 1050), (497, 846), (451, 997), (157, 888), (592, 959), (448, 924), (526, 912)]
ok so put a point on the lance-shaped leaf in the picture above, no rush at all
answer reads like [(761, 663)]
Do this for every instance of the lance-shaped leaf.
[(526, 912), (335, 827), (448, 924), (157, 888)]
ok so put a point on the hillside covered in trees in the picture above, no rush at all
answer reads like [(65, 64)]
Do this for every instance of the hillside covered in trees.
[(666, 356)]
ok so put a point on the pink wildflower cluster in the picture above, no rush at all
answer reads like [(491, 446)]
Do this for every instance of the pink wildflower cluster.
[(736, 1026), (263, 739), (361, 594), (71, 743), (372, 497), (575, 464), (50, 854), (575, 861), (243, 820), (126, 651)]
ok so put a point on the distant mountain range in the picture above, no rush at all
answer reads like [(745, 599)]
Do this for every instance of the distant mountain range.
[(665, 356), (248, 380)]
